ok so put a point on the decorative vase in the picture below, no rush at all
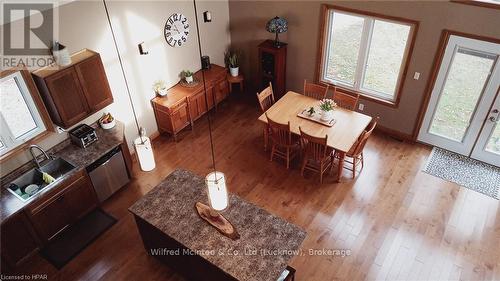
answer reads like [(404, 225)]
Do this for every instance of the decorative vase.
[(326, 115), (189, 79), (162, 92), (234, 71)]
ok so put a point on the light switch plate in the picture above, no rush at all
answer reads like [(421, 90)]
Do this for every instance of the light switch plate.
[(416, 75), (361, 107)]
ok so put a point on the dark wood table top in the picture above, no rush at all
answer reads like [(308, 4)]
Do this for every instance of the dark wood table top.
[(266, 245)]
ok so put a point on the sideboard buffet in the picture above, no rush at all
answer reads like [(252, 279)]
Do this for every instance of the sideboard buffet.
[(183, 103)]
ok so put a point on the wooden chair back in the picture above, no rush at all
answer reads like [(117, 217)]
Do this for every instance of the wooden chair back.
[(314, 90), (345, 100), (315, 148), (280, 133), (363, 139), (266, 98)]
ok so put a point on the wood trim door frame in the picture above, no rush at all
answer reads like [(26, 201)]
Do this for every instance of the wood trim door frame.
[(438, 59)]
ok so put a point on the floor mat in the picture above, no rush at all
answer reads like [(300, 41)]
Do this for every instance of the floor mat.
[(464, 171), (77, 237)]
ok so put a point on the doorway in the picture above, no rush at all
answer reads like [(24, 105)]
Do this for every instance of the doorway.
[(463, 112)]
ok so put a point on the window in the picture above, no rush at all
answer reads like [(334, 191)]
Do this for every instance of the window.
[(365, 53), (495, 4), (20, 120)]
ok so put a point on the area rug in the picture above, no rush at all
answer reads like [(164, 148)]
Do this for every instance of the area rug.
[(464, 171), (71, 241)]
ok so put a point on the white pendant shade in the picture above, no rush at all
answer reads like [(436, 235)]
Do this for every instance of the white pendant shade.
[(144, 152), (217, 191)]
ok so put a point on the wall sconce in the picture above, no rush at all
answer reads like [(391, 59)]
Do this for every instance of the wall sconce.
[(142, 49), (207, 16)]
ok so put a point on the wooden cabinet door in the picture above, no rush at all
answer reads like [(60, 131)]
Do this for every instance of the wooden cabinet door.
[(221, 90), (210, 97), (180, 117), (94, 83), (51, 218), (68, 96), (18, 239), (197, 105), (79, 198)]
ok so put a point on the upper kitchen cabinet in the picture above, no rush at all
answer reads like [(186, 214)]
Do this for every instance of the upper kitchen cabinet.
[(72, 93)]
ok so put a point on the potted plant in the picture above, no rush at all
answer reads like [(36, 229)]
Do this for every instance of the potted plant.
[(160, 88), (188, 76), (232, 59), (327, 106)]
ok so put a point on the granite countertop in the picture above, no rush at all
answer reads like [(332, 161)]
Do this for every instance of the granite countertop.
[(170, 208), (79, 157)]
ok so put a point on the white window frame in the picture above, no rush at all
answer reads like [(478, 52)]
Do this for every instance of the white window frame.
[(364, 49), (7, 137)]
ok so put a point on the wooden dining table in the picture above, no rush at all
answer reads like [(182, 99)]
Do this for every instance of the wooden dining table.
[(348, 126)]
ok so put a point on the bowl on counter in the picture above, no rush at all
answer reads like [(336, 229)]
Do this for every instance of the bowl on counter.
[(107, 126)]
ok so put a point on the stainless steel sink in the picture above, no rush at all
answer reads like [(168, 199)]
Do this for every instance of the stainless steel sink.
[(57, 168)]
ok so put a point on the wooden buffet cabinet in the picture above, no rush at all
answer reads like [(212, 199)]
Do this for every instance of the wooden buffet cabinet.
[(72, 93), (183, 105)]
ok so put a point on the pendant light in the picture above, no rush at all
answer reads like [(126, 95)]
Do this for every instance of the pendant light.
[(215, 181), (142, 144)]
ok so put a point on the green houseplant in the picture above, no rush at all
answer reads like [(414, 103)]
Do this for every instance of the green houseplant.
[(232, 60), (327, 106), (187, 75)]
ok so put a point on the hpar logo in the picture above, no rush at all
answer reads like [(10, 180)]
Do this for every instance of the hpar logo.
[(28, 31)]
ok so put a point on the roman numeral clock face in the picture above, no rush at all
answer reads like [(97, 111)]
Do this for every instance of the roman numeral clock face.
[(176, 30)]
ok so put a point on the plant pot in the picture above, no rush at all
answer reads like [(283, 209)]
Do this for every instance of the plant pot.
[(161, 92), (234, 71), (189, 79), (326, 115)]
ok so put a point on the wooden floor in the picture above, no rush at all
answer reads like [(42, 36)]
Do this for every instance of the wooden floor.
[(397, 222)]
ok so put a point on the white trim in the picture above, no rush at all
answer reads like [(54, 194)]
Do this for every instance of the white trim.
[(363, 54), (7, 137)]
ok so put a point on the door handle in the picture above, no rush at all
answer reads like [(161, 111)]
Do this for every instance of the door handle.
[(493, 119)]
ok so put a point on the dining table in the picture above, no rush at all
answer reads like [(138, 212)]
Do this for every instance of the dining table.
[(348, 125)]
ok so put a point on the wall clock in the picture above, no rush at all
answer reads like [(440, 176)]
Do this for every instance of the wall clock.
[(176, 30)]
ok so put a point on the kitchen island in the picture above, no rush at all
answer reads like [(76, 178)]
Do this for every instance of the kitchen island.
[(173, 232)]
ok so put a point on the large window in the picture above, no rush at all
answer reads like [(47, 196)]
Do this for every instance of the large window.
[(364, 53), (20, 120)]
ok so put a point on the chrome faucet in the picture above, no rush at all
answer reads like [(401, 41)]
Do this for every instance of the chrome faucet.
[(33, 146)]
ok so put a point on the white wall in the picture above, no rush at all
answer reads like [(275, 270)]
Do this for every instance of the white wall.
[(83, 24)]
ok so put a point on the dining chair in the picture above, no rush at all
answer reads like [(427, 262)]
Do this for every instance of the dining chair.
[(266, 98), (314, 90), (317, 156), (345, 99), (356, 151), (284, 144)]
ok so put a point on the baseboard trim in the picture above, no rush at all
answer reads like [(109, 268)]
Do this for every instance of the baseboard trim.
[(395, 134)]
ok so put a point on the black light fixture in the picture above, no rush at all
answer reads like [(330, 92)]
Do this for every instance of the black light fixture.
[(207, 16)]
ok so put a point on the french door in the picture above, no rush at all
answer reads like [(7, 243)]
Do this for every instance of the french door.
[(462, 115)]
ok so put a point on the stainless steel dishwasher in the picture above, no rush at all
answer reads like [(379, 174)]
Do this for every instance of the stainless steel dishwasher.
[(108, 174)]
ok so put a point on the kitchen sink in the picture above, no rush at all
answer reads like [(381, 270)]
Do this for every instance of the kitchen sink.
[(57, 168)]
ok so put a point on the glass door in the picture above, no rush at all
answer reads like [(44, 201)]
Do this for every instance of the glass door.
[(466, 85), (487, 148)]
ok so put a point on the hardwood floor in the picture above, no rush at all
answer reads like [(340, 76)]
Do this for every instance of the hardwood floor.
[(397, 222)]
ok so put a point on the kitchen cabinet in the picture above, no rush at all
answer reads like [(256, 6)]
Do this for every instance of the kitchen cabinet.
[(72, 93), (72, 200), (185, 104), (18, 240), (95, 86)]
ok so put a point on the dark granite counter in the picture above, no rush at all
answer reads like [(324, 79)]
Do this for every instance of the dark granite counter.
[(79, 157), (169, 207)]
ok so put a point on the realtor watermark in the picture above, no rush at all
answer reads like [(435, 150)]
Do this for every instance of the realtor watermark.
[(248, 251), (29, 30)]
